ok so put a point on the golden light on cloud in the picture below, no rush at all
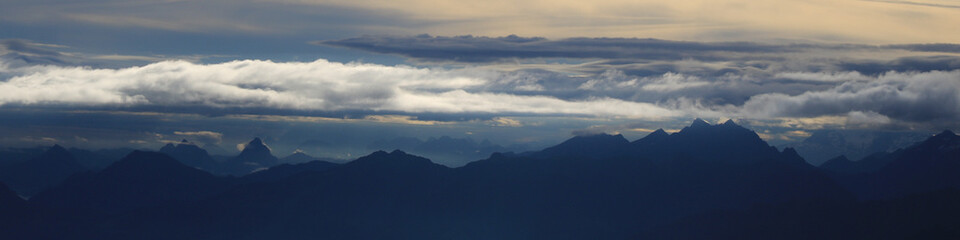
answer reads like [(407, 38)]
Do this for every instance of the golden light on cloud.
[(878, 22)]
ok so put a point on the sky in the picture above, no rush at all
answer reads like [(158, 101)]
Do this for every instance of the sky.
[(528, 74)]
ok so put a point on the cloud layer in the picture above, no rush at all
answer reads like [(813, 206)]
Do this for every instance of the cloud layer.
[(308, 88)]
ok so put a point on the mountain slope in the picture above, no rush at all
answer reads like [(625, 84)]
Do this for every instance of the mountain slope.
[(140, 179), (34, 175)]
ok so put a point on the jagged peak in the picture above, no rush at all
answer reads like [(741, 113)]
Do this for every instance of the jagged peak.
[(256, 141), (699, 123)]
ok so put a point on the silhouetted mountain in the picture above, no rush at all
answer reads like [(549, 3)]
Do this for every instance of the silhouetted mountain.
[(100, 159), (18, 220), (255, 156), (191, 155), (727, 142), (282, 171), (445, 150), (843, 166), (298, 157), (930, 165), (34, 175), (824, 145), (931, 215), (705, 181), (10, 156), (595, 146), (140, 179)]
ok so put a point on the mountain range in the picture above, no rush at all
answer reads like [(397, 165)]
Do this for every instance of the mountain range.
[(704, 182)]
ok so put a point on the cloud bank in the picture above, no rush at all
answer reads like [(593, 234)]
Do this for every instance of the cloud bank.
[(930, 98), (296, 86)]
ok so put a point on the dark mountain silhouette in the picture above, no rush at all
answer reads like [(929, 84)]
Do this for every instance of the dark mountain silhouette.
[(930, 165), (285, 170), (18, 220), (824, 145), (445, 150), (699, 142), (932, 215), (32, 176), (703, 182), (191, 155), (10, 156), (298, 157), (843, 166), (100, 159), (560, 192), (255, 156), (595, 146), (140, 179)]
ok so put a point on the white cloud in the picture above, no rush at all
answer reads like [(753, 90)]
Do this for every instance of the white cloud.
[(203, 136), (308, 86)]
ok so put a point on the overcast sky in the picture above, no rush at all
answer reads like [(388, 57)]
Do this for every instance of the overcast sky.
[(109, 73)]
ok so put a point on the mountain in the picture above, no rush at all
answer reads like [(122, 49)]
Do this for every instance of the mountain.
[(578, 189), (699, 142), (927, 166), (298, 157), (255, 156), (445, 150), (100, 159), (18, 220), (141, 179), (595, 146), (932, 215), (190, 154), (11, 156), (285, 170), (824, 145), (44, 171)]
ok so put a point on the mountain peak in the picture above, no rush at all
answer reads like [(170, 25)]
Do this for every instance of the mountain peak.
[(184, 141), (699, 123), (946, 133), (256, 141), (658, 133), (730, 122)]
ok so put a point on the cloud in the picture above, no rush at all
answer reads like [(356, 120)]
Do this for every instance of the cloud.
[(506, 122), (203, 136), (330, 91), (292, 86), (925, 97), (491, 49)]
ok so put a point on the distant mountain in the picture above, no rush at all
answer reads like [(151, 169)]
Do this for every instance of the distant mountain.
[(298, 157), (10, 156), (824, 145), (282, 171), (927, 166), (703, 182), (445, 150), (44, 171), (595, 146), (141, 179), (99, 159), (255, 156), (191, 155), (699, 142), (573, 190)]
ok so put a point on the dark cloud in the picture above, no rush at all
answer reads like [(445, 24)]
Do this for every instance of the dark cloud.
[(487, 49)]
